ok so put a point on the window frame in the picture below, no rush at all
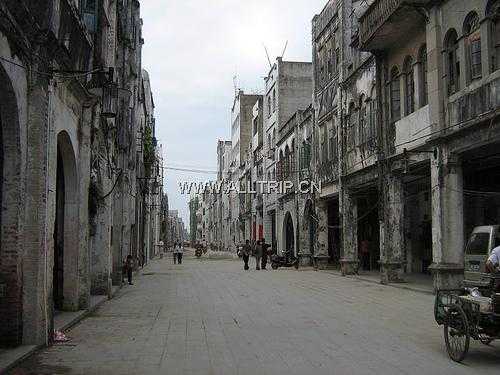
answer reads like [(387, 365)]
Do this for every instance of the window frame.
[(395, 88), (452, 62), (472, 44), (423, 79), (409, 85)]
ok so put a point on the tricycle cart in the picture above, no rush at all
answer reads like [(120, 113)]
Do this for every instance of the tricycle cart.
[(464, 317)]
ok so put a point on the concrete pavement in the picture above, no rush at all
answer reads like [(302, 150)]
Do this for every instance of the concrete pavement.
[(211, 317)]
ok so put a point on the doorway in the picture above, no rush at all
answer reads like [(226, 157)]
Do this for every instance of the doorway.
[(65, 271), (368, 231), (58, 270), (289, 234), (333, 232)]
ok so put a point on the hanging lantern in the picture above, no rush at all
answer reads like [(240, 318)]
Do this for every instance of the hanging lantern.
[(103, 85), (109, 100)]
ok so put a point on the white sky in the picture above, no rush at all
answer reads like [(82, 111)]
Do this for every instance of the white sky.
[(192, 50)]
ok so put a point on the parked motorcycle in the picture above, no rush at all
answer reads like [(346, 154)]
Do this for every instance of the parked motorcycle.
[(287, 260), (198, 252)]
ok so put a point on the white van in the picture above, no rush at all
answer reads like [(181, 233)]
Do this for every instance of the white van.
[(482, 240)]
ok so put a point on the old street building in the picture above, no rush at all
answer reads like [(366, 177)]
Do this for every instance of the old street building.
[(297, 223), (401, 135), (239, 169), (288, 88), (71, 85), (176, 231), (439, 113)]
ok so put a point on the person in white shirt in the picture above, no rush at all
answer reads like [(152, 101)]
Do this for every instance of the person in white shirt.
[(493, 263), (180, 251)]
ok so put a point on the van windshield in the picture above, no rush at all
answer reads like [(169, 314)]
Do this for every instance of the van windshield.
[(478, 244)]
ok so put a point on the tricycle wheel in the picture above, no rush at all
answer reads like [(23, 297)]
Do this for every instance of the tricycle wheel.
[(456, 333), (274, 266), (485, 339)]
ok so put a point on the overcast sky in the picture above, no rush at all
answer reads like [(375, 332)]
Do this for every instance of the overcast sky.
[(193, 49)]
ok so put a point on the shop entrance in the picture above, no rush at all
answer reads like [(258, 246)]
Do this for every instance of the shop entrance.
[(481, 173), (333, 232), (418, 221), (368, 230)]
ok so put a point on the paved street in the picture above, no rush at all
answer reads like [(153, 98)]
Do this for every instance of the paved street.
[(210, 317)]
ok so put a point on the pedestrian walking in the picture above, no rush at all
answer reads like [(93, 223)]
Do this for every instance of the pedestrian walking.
[(180, 251), (264, 253), (258, 255), (174, 252), (129, 267), (245, 253)]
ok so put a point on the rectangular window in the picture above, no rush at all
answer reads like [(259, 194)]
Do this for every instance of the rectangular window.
[(89, 13), (395, 100), (476, 58)]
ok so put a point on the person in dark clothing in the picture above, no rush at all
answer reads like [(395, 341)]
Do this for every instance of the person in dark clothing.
[(246, 254), (264, 254), (129, 265)]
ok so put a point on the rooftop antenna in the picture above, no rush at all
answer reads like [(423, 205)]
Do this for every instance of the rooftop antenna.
[(235, 83), (268, 59), (284, 50)]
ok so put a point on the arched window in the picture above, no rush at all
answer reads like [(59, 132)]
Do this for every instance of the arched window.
[(274, 138), (452, 62), (472, 40), (274, 100), (362, 128), (395, 92), (286, 167), (409, 86), (424, 95), (269, 109), (292, 157), (493, 13)]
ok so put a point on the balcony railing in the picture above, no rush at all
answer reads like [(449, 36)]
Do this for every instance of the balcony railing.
[(379, 13), (376, 16), (328, 172), (479, 102)]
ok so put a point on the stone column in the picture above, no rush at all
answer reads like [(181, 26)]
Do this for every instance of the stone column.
[(321, 249), (391, 230), (303, 220), (487, 52), (38, 241), (435, 83), (447, 221), (116, 246), (349, 221), (83, 192)]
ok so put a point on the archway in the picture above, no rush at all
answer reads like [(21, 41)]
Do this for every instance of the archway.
[(66, 243), (288, 234), (11, 303)]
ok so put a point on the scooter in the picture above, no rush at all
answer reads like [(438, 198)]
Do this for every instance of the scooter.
[(286, 260), (198, 252)]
